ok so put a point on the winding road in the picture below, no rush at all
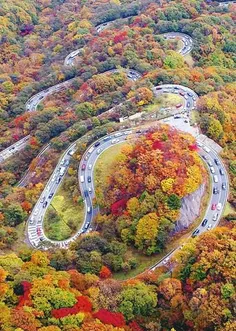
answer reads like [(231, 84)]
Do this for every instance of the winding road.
[(217, 172), (32, 104), (86, 180)]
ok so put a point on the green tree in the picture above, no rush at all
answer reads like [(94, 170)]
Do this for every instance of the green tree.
[(174, 202), (138, 300)]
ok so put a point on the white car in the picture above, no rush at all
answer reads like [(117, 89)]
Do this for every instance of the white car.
[(90, 190), (209, 227), (31, 220), (90, 166), (212, 170), (36, 212), (206, 149), (214, 218), (219, 206)]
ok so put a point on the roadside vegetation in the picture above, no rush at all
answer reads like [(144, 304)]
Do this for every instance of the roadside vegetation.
[(64, 216)]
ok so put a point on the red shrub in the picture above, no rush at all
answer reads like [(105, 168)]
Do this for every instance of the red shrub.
[(193, 147), (24, 300), (157, 145), (82, 304), (120, 37), (107, 317), (134, 326), (105, 272), (118, 206)]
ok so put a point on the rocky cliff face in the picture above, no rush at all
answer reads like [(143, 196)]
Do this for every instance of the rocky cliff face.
[(190, 209)]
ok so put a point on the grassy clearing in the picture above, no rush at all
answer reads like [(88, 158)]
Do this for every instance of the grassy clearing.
[(163, 101), (189, 60), (63, 217), (194, 117), (228, 209), (104, 162)]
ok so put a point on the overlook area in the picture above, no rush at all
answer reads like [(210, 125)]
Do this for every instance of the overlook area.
[(117, 165)]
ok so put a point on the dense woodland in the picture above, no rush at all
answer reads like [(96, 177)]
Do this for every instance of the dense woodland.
[(74, 289), (39, 293), (141, 199)]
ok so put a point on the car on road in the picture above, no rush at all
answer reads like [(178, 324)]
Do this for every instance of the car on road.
[(166, 260), (213, 206), (221, 172), (50, 195), (86, 193), (118, 134), (185, 121), (217, 162), (31, 220), (89, 210), (204, 222), (90, 166), (99, 150), (219, 206), (45, 204), (195, 233), (209, 227), (107, 138), (188, 104), (42, 200), (210, 163), (215, 190), (71, 152), (83, 167), (212, 170), (90, 190), (215, 217), (189, 94), (97, 144), (215, 178), (204, 157), (223, 186), (36, 212), (58, 180), (177, 116), (178, 106), (89, 179), (206, 149)]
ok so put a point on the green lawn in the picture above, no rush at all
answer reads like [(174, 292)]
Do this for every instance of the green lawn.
[(228, 209), (104, 161), (165, 100), (67, 216)]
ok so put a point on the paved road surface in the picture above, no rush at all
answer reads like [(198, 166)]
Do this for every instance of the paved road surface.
[(35, 230), (186, 40)]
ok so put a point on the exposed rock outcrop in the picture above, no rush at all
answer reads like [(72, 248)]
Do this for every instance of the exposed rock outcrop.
[(190, 208)]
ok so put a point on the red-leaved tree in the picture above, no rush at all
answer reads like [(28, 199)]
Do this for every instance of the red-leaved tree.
[(107, 317)]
